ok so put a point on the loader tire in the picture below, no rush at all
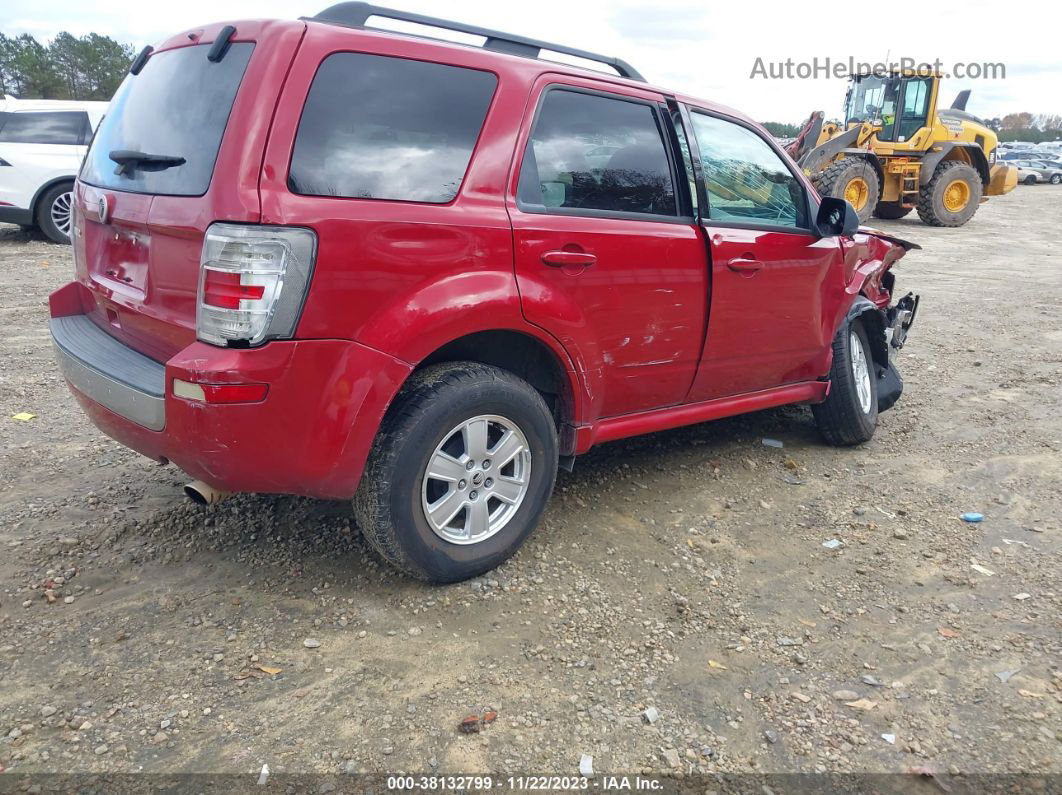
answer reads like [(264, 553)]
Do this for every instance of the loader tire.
[(853, 179), (951, 197), (890, 211)]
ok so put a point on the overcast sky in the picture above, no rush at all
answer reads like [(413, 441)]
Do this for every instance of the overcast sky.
[(703, 48)]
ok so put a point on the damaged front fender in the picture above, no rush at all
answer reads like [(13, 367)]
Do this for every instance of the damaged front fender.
[(906, 245), (869, 258)]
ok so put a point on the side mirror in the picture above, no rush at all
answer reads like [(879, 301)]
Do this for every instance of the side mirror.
[(836, 218)]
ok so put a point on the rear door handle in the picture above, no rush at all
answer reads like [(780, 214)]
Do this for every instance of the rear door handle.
[(744, 264), (558, 259)]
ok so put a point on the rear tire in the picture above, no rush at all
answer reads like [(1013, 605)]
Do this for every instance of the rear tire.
[(853, 179), (891, 210), (54, 212), (939, 200), (849, 415), (1056, 179), (416, 472)]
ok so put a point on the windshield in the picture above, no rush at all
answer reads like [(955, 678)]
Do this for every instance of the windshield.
[(176, 109), (872, 98)]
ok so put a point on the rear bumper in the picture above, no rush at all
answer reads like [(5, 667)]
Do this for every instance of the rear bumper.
[(112, 374), (309, 436)]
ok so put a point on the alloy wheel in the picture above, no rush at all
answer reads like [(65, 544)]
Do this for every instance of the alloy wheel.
[(476, 479), (60, 212), (860, 371)]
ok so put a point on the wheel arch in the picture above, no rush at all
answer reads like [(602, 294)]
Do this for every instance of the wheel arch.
[(871, 158), (35, 204), (873, 320), (527, 356), (968, 153)]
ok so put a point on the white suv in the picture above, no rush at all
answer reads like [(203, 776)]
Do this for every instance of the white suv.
[(42, 144)]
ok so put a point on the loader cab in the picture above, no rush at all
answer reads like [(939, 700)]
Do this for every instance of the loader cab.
[(900, 104)]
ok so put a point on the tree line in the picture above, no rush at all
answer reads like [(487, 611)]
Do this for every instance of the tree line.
[(1024, 126), (67, 67), (1033, 127)]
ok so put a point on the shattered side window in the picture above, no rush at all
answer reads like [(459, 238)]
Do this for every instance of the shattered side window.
[(746, 180)]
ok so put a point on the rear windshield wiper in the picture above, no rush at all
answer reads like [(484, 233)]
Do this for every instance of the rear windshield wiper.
[(129, 159)]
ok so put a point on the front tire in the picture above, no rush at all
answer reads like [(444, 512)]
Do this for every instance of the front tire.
[(54, 212), (951, 197), (460, 472), (849, 415), (1030, 180), (852, 179)]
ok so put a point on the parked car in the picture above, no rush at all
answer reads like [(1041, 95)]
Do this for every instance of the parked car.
[(1030, 154), (1026, 176), (42, 144), (1053, 168), (1032, 171), (376, 266)]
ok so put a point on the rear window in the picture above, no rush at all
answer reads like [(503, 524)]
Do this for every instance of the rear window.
[(376, 127), (49, 127), (178, 107)]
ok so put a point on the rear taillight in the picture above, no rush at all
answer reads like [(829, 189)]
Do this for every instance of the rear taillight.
[(252, 282)]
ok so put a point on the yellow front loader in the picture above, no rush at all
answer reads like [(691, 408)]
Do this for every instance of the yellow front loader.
[(896, 151)]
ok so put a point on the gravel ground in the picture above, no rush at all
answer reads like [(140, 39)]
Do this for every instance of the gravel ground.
[(683, 573)]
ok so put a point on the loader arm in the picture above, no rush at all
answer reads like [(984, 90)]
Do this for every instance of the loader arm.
[(814, 159)]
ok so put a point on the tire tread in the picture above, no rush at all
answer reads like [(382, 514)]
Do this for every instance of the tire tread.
[(827, 180), (423, 387), (839, 417), (926, 210)]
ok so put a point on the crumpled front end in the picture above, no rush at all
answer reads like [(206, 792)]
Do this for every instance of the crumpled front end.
[(870, 259)]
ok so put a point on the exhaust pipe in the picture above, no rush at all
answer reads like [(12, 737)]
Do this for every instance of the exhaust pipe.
[(204, 494)]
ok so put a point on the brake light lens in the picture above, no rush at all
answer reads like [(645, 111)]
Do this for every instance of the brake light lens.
[(226, 290), (252, 282)]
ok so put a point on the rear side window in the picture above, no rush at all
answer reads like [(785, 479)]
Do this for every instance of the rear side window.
[(376, 127), (51, 127), (177, 107), (589, 152)]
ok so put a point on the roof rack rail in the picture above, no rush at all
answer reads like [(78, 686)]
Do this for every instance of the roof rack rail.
[(355, 15)]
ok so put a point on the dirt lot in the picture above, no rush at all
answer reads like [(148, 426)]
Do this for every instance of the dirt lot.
[(684, 571)]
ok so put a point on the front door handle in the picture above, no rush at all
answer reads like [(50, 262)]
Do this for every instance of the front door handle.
[(560, 259), (744, 264)]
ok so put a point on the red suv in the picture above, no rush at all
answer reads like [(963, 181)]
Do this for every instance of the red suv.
[(320, 259)]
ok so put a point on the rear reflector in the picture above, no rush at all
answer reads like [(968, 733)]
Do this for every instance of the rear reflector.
[(220, 393)]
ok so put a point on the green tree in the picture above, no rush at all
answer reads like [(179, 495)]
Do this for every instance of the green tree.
[(104, 63), (781, 130), (85, 68), (36, 71), (66, 58)]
